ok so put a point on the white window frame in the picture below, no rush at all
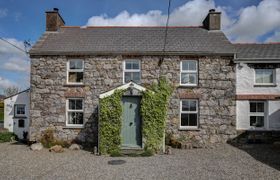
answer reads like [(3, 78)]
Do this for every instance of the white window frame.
[(75, 70), (264, 84), (19, 115), (131, 70), (70, 110), (190, 72), (262, 114), (189, 112)]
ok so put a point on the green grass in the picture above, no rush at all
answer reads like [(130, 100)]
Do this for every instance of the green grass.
[(6, 136)]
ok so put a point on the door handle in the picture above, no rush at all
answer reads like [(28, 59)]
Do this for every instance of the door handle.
[(130, 124)]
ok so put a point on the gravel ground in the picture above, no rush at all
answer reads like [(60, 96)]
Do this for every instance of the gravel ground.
[(222, 162)]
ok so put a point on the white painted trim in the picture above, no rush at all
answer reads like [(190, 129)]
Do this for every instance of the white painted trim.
[(131, 70), (75, 70), (189, 72), (190, 112), (123, 87), (67, 110)]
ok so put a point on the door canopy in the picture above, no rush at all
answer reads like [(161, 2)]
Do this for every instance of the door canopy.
[(128, 86)]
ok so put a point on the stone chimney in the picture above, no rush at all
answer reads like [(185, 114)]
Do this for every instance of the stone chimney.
[(212, 20), (53, 20)]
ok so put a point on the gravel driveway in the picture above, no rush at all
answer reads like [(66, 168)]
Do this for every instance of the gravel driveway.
[(222, 162)]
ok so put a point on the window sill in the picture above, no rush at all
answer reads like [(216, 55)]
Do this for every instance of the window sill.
[(73, 127), (188, 86), (189, 129), (265, 85), (74, 85)]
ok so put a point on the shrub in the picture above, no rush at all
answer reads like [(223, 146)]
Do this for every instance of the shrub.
[(6, 136), (48, 140), (147, 153)]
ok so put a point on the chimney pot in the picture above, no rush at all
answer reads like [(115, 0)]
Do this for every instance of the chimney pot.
[(212, 10), (55, 9)]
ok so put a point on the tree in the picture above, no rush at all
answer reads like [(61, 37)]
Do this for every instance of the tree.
[(9, 91)]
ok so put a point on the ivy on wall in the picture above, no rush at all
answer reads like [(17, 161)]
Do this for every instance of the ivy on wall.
[(154, 106), (110, 121)]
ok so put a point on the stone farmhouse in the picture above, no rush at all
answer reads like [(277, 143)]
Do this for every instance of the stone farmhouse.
[(220, 88)]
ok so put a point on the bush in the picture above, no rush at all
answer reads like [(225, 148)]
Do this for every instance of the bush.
[(48, 140), (148, 153), (6, 136)]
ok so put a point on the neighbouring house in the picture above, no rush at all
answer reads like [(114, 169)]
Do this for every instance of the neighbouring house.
[(72, 68), (257, 87), (16, 113)]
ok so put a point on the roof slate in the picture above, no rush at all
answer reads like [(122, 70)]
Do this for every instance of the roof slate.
[(120, 40), (258, 51)]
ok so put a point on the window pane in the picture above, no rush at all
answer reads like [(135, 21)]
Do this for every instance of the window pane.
[(76, 64), (264, 75), (260, 107), (132, 65), (21, 123), (192, 105), (253, 107), (257, 121), (192, 119), (188, 119), (20, 109), (75, 104), (189, 65), (132, 76), (76, 77), (75, 118), (185, 106), (188, 78), (188, 105)]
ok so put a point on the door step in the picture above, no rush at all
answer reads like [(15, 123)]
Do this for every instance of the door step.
[(128, 151)]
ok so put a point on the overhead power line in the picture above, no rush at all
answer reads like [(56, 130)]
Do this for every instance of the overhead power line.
[(15, 46)]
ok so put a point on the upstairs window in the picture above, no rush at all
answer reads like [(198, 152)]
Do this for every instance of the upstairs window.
[(257, 113), (189, 73), (189, 114), (132, 71), (75, 71), (19, 110), (264, 76), (75, 112)]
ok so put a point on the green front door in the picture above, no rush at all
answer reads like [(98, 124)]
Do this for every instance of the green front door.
[(131, 125)]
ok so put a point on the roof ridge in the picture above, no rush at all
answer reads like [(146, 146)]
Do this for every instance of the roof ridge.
[(85, 27)]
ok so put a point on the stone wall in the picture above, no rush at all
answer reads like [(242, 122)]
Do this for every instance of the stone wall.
[(49, 91)]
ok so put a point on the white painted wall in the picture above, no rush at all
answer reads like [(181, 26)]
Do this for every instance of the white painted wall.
[(272, 116), (11, 122), (245, 78)]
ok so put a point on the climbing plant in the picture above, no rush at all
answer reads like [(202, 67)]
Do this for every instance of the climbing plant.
[(110, 120), (154, 106)]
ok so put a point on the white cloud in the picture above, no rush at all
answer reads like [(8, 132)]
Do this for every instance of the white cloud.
[(5, 83), (274, 38), (3, 13), (14, 63), (255, 21), (248, 25)]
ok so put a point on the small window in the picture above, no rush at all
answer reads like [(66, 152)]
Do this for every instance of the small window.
[(264, 76), (189, 73), (19, 110), (189, 114), (75, 112), (257, 112), (21, 123), (75, 71), (132, 71)]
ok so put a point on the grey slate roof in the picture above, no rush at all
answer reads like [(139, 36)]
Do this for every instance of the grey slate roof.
[(258, 51), (132, 40)]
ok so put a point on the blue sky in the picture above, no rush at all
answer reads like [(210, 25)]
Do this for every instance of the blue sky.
[(243, 21)]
